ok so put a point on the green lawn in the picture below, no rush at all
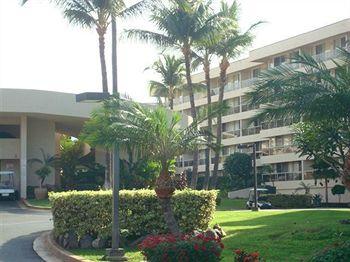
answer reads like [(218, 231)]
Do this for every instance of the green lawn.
[(231, 204), (287, 235), (39, 203)]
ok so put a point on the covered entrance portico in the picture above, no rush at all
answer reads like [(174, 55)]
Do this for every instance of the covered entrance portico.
[(31, 121)]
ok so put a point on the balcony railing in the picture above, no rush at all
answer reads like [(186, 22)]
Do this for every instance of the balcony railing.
[(283, 176), (247, 107), (277, 123), (232, 110), (251, 131), (277, 150), (231, 134)]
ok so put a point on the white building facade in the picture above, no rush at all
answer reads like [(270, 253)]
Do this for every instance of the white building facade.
[(31, 120), (273, 139)]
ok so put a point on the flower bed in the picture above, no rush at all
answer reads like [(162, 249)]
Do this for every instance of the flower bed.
[(193, 247)]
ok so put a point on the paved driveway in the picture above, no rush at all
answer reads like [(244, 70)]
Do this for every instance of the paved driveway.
[(18, 228)]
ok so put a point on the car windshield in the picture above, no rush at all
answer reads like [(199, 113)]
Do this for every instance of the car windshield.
[(262, 195), (6, 180)]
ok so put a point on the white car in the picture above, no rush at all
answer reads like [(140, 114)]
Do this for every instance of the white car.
[(7, 185)]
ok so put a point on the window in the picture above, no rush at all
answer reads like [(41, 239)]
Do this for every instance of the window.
[(279, 141), (319, 49), (256, 72), (281, 167), (343, 42), (279, 60)]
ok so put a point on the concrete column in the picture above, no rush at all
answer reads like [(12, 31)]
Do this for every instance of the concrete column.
[(23, 160), (302, 170)]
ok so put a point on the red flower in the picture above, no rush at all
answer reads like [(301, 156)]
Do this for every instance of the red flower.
[(254, 255), (222, 245), (238, 251), (204, 248), (196, 247)]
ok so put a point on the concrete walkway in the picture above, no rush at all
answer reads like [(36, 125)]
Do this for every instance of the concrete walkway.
[(18, 229)]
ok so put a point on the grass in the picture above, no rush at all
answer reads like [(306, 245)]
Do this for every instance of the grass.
[(97, 254), (39, 202), (283, 235), (231, 204)]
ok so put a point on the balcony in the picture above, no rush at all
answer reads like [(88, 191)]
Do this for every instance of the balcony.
[(277, 123), (231, 134), (232, 110), (277, 150), (282, 176), (251, 131), (247, 107)]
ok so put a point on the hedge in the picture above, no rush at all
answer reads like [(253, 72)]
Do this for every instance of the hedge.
[(89, 212), (290, 201)]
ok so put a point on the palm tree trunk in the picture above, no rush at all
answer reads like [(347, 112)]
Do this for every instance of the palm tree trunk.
[(171, 98), (101, 39), (223, 81), (165, 190), (207, 150), (187, 55), (114, 57)]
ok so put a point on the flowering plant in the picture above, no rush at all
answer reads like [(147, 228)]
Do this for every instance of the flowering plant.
[(180, 248), (242, 256)]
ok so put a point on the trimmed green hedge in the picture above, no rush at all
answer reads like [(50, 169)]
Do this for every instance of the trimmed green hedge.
[(89, 212), (290, 201)]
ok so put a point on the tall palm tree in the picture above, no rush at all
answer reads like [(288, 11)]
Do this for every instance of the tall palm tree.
[(171, 71), (156, 132), (180, 23), (229, 47)]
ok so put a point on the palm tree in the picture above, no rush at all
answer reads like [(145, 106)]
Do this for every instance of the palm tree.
[(156, 132), (171, 71), (229, 47), (180, 23), (47, 163), (319, 97)]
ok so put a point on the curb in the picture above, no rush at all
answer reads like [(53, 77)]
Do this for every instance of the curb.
[(28, 205), (46, 248)]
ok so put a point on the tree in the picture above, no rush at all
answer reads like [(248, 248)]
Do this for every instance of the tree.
[(156, 132), (239, 167), (338, 190), (304, 186), (324, 171), (230, 46), (325, 141), (171, 71), (47, 162), (180, 23), (318, 96)]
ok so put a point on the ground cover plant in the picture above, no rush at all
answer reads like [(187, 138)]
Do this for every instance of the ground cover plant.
[(275, 235)]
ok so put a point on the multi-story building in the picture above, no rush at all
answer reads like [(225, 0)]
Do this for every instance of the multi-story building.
[(273, 139)]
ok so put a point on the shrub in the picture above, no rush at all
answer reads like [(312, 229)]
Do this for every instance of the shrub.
[(181, 248), (290, 201), (89, 212), (339, 252), (242, 256)]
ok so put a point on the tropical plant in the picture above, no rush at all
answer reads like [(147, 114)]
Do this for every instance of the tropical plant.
[(318, 96), (156, 132), (171, 71), (230, 46), (180, 23), (338, 190), (239, 167), (304, 186), (324, 171), (47, 163)]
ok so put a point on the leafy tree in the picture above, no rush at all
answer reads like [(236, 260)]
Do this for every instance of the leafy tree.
[(47, 163), (171, 70), (239, 167), (338, 190), (320, 98), (156, 132), (180, 23), (326, 141), (324, 171), (230, 46)]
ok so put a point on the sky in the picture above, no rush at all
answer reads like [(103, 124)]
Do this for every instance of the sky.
[(39, 49)]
